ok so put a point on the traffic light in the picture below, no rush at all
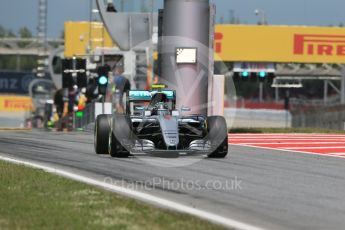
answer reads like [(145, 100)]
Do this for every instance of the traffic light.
[(262, 76), (102, 78), (244, 75), (74, 73), (270, 78), (236, 77), (81, 72), (67, 79), (253, 77)]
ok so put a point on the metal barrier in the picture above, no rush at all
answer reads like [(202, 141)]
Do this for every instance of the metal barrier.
[(331, 101), (257, 118), (330, 117)]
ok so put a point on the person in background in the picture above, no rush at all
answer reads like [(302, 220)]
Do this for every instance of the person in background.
[(82, 99), (121, 86), (91, 90), (59, 102)]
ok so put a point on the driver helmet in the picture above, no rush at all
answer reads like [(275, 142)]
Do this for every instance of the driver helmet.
[(158, 98), (161, 106)]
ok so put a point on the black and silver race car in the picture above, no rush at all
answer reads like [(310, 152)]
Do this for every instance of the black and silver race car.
[(153, 125)]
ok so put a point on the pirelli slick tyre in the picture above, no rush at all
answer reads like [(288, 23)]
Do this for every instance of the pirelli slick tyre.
[(101, 133), (218, 136), (118, 136)]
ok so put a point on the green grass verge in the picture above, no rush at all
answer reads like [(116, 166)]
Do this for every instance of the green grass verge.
[(283, 130), (34, 199)]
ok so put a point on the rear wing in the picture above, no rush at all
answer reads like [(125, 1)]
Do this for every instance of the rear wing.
[(146, 95)]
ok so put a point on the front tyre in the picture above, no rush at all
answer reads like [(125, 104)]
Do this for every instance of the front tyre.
[(118, 136), (101, 133), (218, 136)]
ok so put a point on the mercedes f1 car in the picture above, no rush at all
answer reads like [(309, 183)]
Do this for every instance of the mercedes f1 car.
[(153, 125)]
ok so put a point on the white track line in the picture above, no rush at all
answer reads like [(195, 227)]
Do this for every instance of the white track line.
[(337, 154), (228, 222), (291, 151), (288, 134), (287, 139), (316, 147), (291, 143)]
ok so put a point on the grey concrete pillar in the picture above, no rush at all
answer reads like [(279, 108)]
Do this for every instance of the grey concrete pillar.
[(342, 86), (186, 24), (325, 92), (261, 92)]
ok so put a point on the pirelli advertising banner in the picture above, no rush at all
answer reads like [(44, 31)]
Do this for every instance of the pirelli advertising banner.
[(236, 43), (15, 103)]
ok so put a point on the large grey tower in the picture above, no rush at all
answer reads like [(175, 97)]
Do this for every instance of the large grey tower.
[(186, 33)]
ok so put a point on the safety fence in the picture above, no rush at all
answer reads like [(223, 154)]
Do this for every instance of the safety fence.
[(257, 118), (330, 117)]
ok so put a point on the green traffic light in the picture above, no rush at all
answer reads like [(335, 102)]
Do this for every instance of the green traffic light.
[(245, 74), (262, 74), (102, 80)]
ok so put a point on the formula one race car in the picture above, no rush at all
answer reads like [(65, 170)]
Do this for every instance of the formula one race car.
[(153, 125)]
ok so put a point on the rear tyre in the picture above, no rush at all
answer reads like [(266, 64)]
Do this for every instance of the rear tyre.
[(218, 136), (119, 136), (101, 133)]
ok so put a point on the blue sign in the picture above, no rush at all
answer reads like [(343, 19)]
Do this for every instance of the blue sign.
[(15, 82)]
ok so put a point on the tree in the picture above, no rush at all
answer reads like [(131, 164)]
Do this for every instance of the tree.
[(3, 31), (10, 34), (24, 32), (6, 33)]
